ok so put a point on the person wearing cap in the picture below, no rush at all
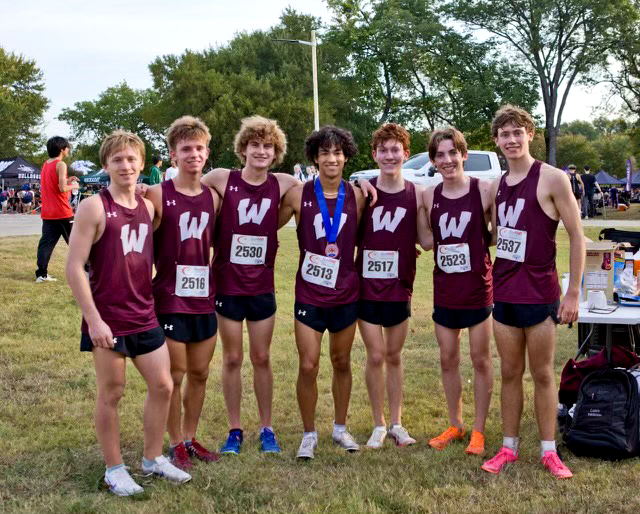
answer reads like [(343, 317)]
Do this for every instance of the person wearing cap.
[(577, 187)]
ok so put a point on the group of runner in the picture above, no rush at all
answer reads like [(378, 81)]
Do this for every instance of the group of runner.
[(122, 232)]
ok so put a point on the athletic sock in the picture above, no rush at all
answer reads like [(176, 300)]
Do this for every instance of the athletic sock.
[(512, 443), (113, 468), (147, 463), (383, 427), (338, 429), (266, 428), (547, 446), (313, 434)]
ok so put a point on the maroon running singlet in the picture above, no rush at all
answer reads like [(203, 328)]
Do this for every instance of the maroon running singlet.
[(524, 270), (386, 260), (182, 246), (462, 272), (120, 265), (246, 238), (323, 281)]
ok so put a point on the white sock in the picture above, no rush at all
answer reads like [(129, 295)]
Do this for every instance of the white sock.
[(382, 427), (547, 446), (512, 443), (338, 429), (113, 468), (313, 434), (265, 428)]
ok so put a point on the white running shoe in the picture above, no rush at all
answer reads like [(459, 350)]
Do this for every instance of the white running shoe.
[(377, 437), (401, 436), (162, 467), (345, 440), (45, 278), (308, 444), (120, 482)]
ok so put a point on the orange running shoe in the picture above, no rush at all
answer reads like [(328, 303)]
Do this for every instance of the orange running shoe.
[(476, 445), (444, 439)]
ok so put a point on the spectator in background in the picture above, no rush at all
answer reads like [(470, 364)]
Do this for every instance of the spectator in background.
[(297, 172), (577, 187), (172, 171), (27, 200), (155, 175), (613, 196), (56, 212), (3, 201), (590, 185)]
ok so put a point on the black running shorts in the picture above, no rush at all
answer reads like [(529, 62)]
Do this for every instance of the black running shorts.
[(459, 318), (387, 314), (333, 319), (189, 328), (131, 345), (523, 315), (251, 308)]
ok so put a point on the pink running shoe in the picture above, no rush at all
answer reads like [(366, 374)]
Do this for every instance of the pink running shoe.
[(504, 456), (552, 462)]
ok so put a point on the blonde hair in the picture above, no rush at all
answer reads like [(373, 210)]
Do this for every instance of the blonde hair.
[(264, 129), (510, 114), (187, 127), (451, 133), (118, 140)]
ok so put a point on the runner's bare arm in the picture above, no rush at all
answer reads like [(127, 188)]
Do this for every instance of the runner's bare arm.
[(487, 200), (150, 207), (286, 182), (217, 179), (290, 205), (425, 235), (494, 216), (368, 191), (63, 185), (565, 203), (154, 195), (88, 227), (217, 202)]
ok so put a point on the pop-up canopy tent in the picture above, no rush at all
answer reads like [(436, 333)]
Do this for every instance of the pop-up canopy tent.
[(15, 170), (99, 177), (604, 178)]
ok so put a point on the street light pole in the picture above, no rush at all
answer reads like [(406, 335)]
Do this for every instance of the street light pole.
[(314, 71)]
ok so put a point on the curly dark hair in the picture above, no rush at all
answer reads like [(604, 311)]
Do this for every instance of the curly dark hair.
[(327, 137)]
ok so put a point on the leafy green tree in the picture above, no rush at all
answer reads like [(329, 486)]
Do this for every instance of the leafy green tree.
[(561, 40), (22, 105), (614, 150), (579, 128), (577, 149)]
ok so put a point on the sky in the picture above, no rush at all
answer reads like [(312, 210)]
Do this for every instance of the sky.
[(84, 47)]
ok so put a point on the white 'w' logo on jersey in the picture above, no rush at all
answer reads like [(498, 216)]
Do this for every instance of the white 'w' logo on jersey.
[(132, 241), (453, 229), (192, 229), (253, 215), (319, 226), (386, 223), (512, 215)]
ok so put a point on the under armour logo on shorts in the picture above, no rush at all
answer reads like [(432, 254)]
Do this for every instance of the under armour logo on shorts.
[(168, 327), (436, 205), (307, 204), (218, 304), (171, 202), (233, 188), (302, 313), (112, 215), (115, 340)]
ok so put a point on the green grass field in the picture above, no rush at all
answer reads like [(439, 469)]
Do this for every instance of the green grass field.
[(50, 460)]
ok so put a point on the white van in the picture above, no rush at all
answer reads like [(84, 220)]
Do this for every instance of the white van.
[(419, 170)]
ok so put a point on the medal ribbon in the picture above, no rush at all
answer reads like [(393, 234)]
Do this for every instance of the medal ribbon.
[(330, 228)]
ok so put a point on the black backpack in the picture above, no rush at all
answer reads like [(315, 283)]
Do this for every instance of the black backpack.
[(606, 420)]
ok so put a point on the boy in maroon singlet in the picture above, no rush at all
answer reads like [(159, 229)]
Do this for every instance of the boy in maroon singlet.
[(459, 212), (183, 286), (327, 212), (113, 234), (245, 245), (386, 263), (529, 202)]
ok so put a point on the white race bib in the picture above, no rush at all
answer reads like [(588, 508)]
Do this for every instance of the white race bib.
[(250, 250), (321, 270), (511, 244), (192, 281), (454, 258), (380, 264)]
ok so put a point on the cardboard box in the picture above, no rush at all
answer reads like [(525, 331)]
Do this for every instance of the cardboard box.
[(599, 268)]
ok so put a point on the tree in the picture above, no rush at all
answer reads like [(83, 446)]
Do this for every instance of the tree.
[(561, 40), (614, 150), (118, 107), (579, 128), (577, 149), (22, 105)]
